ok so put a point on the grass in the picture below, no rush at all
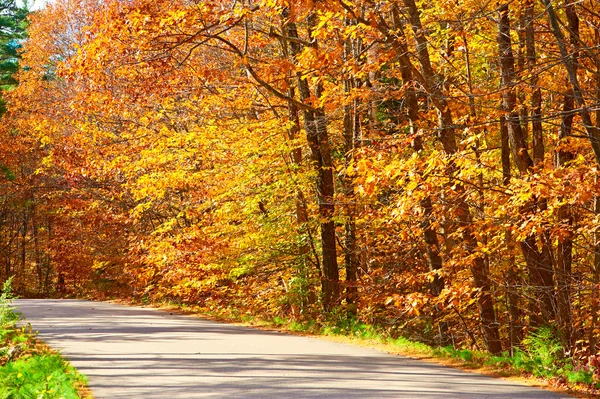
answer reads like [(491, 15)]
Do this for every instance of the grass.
[(29, 369)]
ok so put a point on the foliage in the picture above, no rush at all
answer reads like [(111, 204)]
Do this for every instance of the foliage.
[(540, 357), (544, 348), (38, 376), (7, 314), (343, 324), (28, 369), (13, 26), (321, 164)]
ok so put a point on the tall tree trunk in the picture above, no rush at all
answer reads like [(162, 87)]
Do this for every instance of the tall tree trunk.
[(593, 131), (306, 243), (315, 125), (513, 280), (547, 255), (595, 297), (296, 158), (565, 242), (505, 151), (536, 92), (509, 98), (564, 249), (37, 250), (432, 245), (539, 262), (446, 135), (430, 236), (350, 135), (23, 253)]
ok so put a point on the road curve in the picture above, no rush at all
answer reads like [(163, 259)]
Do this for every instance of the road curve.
[(132, 352)]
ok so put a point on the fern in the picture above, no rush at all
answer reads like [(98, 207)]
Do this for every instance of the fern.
[(7, 314), (544, 347)]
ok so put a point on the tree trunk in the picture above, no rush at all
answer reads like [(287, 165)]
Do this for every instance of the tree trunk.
[(350, 243), (315, 125), (432, 245), (513, 281), (509, 98), (505, 151), (536, 92), (430, 237), (301, 212), (565, 242), (595, 297), (592, 130), (446, 135), (539, 262), (306, 242), (564, 249)]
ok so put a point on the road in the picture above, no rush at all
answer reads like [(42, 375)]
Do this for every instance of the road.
[(133, 352)]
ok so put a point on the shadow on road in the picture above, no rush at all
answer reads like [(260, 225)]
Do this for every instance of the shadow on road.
[(143, 353)]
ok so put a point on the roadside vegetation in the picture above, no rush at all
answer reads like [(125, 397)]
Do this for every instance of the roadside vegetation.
[(28, 368)]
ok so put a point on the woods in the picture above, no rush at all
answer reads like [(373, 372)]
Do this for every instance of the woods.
[(430, 168)]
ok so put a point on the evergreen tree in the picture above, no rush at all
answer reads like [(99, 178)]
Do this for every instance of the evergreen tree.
[(13, 24)]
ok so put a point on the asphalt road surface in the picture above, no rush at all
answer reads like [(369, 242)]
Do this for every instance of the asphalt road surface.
[(132, 352)]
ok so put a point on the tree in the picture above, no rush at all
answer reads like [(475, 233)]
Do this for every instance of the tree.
[(13, 25), (232, 154)]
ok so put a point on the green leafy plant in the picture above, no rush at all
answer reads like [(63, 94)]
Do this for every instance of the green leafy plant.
[(544, 349), (7, 314), (465, 355), (579, 376), (45, 376), (29, 369), (341, 323)]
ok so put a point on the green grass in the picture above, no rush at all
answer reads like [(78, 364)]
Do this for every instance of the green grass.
[(28, 368), (40, 376), (541, 356)]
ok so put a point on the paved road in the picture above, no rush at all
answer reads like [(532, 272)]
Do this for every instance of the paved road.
[(132, 352)]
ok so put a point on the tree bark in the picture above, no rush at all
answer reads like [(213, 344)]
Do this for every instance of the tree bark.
[(432, 245), (595, 297), (505, 151), (539, 262), (536, 92), (446, 135), (315, 124), (592, 130), (350, 136), (509, 98), (430, 236), (565, 241)]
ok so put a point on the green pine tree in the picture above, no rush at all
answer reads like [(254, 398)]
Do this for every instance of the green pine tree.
[(13, 29)]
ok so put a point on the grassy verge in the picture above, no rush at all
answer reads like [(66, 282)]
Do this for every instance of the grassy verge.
[(28, 367)]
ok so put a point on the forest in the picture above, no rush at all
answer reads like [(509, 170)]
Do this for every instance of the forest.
[(427, 167)]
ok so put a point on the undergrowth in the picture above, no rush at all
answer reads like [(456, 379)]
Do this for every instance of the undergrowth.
[(28, 368), (541, 356)]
